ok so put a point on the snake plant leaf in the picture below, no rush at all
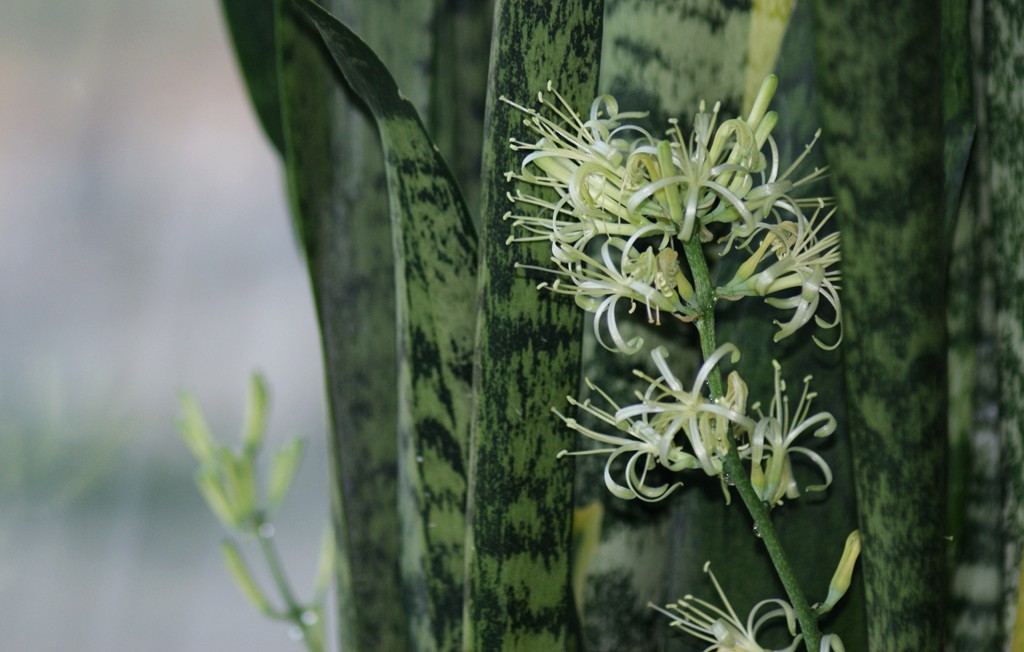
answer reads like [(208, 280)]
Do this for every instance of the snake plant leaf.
[(458, 89), (879, 74), (253, 32), (1005, 162), (518, 587), (974, 483), (958, 102), (672, 54), (336, 184), (435, 262), (976, 600), (958, 113)]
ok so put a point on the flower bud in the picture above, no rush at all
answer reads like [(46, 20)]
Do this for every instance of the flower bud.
[(841, 579), (255, 415), (282, 472)]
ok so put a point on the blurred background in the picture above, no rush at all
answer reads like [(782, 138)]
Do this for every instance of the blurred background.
[(144, 249)]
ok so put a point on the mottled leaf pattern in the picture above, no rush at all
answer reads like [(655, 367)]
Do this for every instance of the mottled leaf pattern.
[(661, 57), (655, 552), (435, 253), (520, 496), (462, 41), (899, 123), (880, 78), (1004, 81), (813, 528), (975, 485), (337, 183), (335, 180)]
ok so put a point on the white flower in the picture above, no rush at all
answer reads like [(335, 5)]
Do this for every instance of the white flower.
[(680, 185), (621, 272), (771, 198), (665, 410), (803, 261), (719, 173), (669, 407), (722, 628), (607, 179), (772, 443), (647, 448), (583, 162)]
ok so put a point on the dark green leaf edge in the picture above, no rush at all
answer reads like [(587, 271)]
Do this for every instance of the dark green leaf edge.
[(253, 33)]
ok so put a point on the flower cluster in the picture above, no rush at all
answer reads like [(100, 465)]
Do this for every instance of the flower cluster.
[(667, 412), (620, 272), (724, 630), (802, 262), (617, 205), (610, 181), (678, 428)]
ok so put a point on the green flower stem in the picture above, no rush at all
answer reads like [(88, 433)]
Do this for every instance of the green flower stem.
[(733, 467), (706, 298), (293, 610)]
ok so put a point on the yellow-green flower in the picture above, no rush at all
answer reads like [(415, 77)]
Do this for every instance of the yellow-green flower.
[(620, 272), (679, 185), (647, 449), (722, 628), (794, 260), (670, 426), (670, 407), (605, 178), (840, 583), (584, 162), (771, 443)]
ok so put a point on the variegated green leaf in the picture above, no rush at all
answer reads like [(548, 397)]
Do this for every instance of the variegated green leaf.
[(880, 78), (974, 482), (458, 89), (958, 102), (435, 256), (669, 55), (964, 287), (337, 188), (814, 527), (976, 600), (1003, 25), (520, 495)]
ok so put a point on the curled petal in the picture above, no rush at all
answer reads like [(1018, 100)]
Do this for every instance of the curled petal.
[(712, 360), (722, 628), (771, 444), (831, 643)]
